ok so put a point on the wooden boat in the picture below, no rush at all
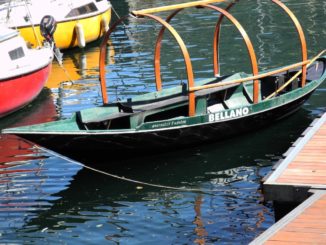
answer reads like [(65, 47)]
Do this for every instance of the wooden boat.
[(78, 22), (188, 114), (20, 79)]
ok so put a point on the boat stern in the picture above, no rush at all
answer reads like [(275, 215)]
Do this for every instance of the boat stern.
[(55, 127)]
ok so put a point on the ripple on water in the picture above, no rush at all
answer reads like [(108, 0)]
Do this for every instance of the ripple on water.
[(47, 200), (27, 188)]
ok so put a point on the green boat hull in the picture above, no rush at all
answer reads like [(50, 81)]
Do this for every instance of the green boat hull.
[(86, 146)]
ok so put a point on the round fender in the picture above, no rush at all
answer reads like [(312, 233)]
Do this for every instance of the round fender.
[(104, 25), (80, 35)]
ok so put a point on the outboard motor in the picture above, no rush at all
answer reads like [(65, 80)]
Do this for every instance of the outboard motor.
[(48, 26)]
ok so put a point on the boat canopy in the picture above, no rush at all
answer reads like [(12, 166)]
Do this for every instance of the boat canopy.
[(224, 13)]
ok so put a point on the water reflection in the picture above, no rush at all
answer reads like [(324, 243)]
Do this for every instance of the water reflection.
[(109, 209), (116, 210), (45, 199), (75, 85), (42, 109), (78, 65), (29, 180)]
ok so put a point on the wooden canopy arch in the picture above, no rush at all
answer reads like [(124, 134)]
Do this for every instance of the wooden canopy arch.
[(301, 36), (177, 37), (103, 52), (223, 12), (165, 25), (215, 44), (147, 13), (297, 26)]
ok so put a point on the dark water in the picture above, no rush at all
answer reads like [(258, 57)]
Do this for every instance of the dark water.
[(45, 199)]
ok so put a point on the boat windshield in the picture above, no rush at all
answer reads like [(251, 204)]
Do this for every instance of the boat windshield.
[(85, 9)]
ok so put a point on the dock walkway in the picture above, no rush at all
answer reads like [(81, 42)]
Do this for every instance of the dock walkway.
[(300, 178), (306, 224), (303, 169)]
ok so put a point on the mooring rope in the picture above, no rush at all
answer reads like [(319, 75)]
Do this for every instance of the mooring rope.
[(183, 189)]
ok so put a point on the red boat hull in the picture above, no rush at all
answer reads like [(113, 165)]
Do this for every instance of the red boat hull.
[(18, 91)]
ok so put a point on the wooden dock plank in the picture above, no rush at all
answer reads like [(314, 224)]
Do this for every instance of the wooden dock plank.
[(303, 223), (308, 165), (304, 164), (304, 172), (320, 151), (286, 236), (286, 243), (306, 224), (298, 182)]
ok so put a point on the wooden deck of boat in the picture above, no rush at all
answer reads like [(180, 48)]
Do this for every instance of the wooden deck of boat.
[(300, 178)]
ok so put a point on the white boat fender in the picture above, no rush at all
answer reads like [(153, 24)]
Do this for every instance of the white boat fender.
[(80, 35), (104, 25)]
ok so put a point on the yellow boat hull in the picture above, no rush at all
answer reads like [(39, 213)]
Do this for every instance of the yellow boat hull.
[(65, 35)]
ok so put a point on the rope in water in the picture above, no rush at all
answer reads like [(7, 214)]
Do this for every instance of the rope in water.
[(183, 189)]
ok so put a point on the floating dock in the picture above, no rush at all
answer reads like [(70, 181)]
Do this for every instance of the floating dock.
[(303, 168), (300, 178), (306, 224)]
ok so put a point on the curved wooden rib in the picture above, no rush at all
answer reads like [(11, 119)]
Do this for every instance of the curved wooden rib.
[(103, 52), (217, 40), (186, 57), (301, 36), (252, 54), (157, 62), (157, 56)]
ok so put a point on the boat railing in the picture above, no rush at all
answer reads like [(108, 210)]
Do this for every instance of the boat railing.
[(250, 78), (255, 78)]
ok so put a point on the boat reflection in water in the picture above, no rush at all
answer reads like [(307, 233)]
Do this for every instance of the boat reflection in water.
[(97, 209), (113, 209), (78, 66), (28, 180), (14, 149)]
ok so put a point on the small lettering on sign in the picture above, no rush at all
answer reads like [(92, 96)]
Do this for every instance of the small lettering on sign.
[(169, 124)]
